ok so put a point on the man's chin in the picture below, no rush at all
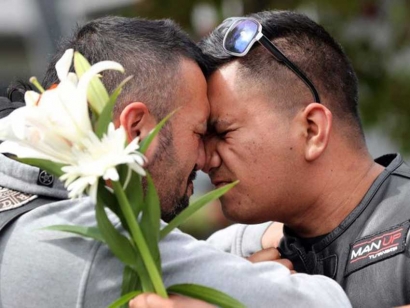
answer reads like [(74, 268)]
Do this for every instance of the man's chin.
[(178, 207)]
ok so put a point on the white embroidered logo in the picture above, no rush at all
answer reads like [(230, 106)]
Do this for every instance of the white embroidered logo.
[(10, 199)]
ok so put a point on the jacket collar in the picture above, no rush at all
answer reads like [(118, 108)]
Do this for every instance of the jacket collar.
[(391, 162)]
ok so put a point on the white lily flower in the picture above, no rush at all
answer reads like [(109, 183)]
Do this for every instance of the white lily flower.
[(98, 158), (56, 126)]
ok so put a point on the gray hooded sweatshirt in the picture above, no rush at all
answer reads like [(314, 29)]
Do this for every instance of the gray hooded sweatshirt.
[(41, 268)]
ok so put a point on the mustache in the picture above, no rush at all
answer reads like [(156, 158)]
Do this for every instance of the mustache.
[(192, 175)]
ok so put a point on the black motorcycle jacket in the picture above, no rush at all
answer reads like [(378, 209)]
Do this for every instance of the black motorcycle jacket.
[(368, 253)]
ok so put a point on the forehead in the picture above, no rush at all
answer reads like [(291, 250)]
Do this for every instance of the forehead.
[(191, 99), (231, 98)]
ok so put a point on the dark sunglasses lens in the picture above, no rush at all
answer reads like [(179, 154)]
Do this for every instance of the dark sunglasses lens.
[(240, 36)]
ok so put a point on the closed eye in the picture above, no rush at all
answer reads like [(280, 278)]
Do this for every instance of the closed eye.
[(217, 134), (201, 136)]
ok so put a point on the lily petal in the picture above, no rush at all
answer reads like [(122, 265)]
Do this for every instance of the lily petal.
[(31, 98), (74, 107), (93, 71), (6, 130), (63, 65), (111, 174), (72, 77), (22, 151)]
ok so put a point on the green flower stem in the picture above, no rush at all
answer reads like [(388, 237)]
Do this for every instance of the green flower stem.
[(139, 240)]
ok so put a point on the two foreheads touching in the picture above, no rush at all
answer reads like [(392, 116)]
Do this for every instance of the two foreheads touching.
[(152, 50)]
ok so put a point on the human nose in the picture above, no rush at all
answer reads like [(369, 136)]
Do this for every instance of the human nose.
[(200, 163), (212, 158)]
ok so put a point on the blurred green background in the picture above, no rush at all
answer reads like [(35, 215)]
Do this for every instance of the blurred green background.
[(375, 35)]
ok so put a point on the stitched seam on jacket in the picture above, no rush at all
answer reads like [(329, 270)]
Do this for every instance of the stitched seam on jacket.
[(239, 240)]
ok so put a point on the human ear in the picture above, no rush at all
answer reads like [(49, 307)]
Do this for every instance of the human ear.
[(318, 124), (136, 120)]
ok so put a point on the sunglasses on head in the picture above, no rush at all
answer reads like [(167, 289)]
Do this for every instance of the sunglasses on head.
[(244, 32)]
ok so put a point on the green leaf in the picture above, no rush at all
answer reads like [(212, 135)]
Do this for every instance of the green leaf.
[(91, 232), (122, 248), (81, 64), (50, 167), (106, 115), (135, 193), (118, 243), (140, 242), (133, 280), (107, 196), (123, 300), (150, 221), (123, 172), (105, 118), (195, 206), (146, 283), (111, 202), (130, 282), (97, 95), (144, 144), (209, 295)]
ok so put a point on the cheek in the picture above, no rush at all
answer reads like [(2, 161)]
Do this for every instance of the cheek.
[(239, 163), (188, 150), (259, 164), (243, 153)]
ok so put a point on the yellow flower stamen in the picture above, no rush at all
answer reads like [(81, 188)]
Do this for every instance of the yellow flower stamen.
[(35, 82)]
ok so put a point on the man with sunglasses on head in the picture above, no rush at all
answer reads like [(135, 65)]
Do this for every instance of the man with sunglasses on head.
[(284, 121)]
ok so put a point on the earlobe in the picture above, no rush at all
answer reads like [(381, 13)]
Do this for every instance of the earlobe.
[(318, 121), (137, 120)]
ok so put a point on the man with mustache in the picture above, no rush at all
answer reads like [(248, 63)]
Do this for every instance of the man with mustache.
[(54, 269)]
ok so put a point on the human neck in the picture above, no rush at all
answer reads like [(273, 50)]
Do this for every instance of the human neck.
[(343, 189)]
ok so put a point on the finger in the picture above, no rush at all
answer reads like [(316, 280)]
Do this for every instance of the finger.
[(138, 301), (149, 300), (272, 235), (187, 302), (286, 263), (269, 254)]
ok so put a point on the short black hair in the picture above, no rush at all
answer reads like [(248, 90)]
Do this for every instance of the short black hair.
[(311, 48), (150, 50)]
